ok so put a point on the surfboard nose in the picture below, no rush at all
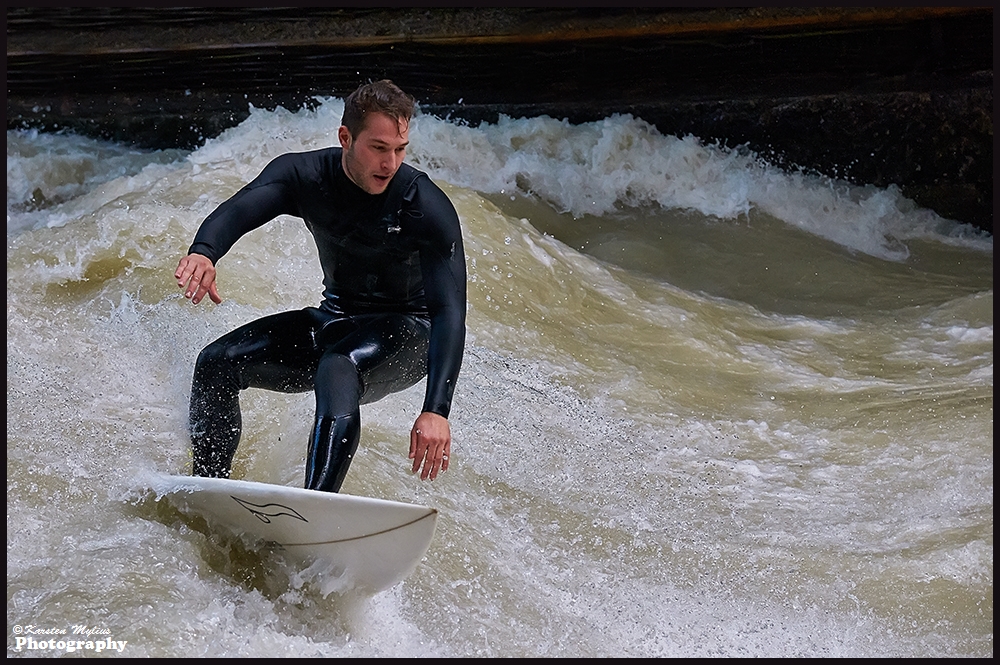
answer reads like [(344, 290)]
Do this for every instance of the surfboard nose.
[(346, 541)]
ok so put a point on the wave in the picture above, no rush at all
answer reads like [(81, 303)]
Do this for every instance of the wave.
[(589, 169)]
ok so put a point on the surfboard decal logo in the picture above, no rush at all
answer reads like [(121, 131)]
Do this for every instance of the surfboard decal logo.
[(264, 512)]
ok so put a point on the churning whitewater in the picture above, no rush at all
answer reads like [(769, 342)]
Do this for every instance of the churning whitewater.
[(709, 407)]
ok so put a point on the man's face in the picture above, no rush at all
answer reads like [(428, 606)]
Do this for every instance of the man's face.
[(373, 156)]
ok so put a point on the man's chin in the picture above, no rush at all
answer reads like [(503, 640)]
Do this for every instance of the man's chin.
[(378, 186)]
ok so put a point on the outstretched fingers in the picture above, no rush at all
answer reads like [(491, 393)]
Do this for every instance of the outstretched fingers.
[(196, 275), (430, 445)]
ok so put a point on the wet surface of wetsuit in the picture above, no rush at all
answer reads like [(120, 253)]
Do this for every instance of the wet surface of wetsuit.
[(393, 309)]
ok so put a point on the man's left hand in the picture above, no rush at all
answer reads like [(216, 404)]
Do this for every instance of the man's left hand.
[(430, 444)]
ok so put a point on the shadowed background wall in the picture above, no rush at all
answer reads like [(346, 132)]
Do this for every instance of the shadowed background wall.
[(877, 96)]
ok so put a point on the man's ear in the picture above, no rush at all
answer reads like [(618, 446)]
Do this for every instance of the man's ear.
[(344, 135)]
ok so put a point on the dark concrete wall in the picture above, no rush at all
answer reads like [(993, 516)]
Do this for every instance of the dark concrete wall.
[(875, 95)]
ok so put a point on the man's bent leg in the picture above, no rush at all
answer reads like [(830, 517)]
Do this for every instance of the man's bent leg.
[(215, 423), (390, 352), (367, 358), (274, 353), (337, 429)]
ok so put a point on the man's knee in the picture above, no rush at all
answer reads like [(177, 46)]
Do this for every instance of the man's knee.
[(338, 386), (218, 369), (338, 368), (211, 356)]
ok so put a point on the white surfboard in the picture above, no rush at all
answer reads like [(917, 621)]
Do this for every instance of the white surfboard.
[(369, 544)]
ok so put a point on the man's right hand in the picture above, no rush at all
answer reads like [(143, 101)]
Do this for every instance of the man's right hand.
[(196, 275)]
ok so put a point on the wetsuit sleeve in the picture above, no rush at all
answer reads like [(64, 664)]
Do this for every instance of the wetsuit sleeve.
[(442, 261), (264, 198)]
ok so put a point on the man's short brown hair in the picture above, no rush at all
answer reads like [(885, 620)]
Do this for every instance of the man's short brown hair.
[(377, 97)]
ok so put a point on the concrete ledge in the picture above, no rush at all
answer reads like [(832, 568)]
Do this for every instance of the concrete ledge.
[(875, 95)]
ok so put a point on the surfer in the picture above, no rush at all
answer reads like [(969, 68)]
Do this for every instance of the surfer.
[(394, 299)]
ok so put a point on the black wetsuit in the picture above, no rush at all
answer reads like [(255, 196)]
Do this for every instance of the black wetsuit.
[(393, 309)]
